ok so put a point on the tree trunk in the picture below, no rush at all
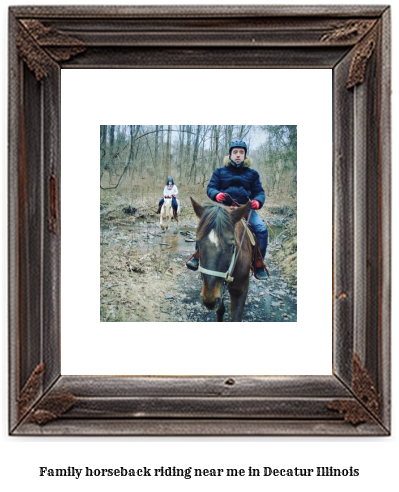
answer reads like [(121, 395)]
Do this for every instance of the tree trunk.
[(103, 149), (168, 163), (195, 155), (202, 161), (215, 152), (188, 152), (134, 130), (229, 135), (162, 162), (111, 153), (156, 152), (181, 150)]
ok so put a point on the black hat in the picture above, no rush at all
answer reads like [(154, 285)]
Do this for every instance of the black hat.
[(238, 143)]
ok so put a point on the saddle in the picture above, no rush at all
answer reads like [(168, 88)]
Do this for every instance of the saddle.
[(257, 260)]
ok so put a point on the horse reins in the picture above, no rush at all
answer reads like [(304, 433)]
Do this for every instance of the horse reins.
[(242, 238)]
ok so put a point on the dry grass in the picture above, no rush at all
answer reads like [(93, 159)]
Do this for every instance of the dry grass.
[(285, 253)]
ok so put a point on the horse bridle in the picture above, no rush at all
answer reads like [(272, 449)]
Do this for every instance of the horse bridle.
[(224, 275), (227, 276)]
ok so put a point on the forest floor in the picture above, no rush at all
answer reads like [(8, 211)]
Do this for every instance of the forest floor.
[(143, 274)]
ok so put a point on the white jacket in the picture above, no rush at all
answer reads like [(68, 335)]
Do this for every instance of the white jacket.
[(170, 192)]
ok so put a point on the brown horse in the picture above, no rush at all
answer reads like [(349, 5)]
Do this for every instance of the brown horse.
[(225, 255)]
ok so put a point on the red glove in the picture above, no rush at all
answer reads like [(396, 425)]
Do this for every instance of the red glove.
[(220, 197), (167, 196), (255, 204), (173, 196)]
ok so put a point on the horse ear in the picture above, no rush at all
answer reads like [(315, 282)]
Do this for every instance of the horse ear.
[(198, 209), (238, 213)]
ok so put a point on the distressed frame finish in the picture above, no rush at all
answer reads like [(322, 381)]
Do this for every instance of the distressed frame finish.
[(353, 41)]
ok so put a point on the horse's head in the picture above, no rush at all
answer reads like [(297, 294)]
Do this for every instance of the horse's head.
[(216, 242)]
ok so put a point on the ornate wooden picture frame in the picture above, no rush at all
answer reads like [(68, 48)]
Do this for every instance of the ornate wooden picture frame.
[(352, 41)]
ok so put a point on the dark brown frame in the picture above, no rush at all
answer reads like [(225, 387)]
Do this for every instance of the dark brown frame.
[(353, 41)]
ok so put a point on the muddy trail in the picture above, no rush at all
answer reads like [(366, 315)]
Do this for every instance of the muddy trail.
[(144, 277)]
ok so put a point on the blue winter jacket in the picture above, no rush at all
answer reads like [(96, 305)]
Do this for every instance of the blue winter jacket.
[(240, 183)]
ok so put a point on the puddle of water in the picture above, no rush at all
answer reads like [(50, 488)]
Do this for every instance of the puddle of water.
[(276, 234), (181, 240), (178, 239)]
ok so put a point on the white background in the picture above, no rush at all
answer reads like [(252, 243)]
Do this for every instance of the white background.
[(21, 457), (271, 97)]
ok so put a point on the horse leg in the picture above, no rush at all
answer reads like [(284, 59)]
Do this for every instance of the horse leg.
[(237, 303), (237, 307), (161, 219), (167, 222), (220, 312), (176, 216)]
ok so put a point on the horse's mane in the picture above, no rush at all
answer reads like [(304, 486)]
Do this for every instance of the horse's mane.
[(215, 217)]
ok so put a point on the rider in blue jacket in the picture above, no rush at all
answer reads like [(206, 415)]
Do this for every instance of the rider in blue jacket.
[(237, 182)]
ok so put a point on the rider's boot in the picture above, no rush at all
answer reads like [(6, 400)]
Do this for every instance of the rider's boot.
[(193, 262), (159, 209), (260, 270), (260, 273)]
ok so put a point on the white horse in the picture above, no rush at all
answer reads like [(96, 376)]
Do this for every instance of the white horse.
[(167, 213)]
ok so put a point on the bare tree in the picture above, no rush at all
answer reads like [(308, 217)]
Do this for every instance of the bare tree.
[(111, 153), (191, 177), (215, 147), (167, 157), (191, 153), (134, 130), (161, 159), (156, 150), (188, 152), (228, 134), (181, 150), (103, 149)]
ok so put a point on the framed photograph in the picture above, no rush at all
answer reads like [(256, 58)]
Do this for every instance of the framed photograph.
[(148, 222), (47, 46)]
